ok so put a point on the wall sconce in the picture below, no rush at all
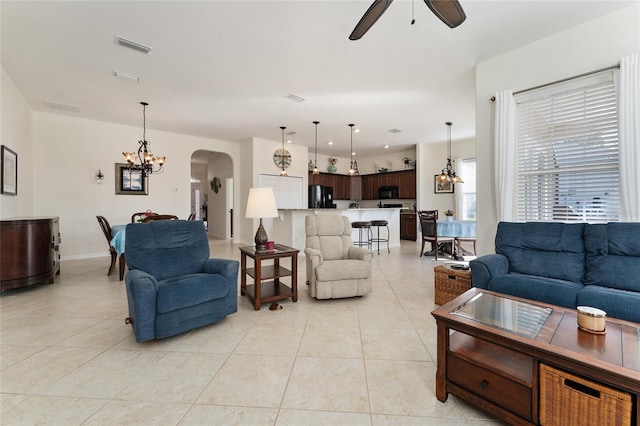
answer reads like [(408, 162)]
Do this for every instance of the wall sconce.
[(99, 177)]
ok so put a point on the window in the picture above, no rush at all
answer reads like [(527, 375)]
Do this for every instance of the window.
[(567, 151), (466, 192)]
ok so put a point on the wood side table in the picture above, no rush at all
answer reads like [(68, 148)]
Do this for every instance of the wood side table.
[(263, 291)]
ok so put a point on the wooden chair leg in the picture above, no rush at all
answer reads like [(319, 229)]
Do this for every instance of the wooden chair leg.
[(121, 266), (113, 262), (422, 249)]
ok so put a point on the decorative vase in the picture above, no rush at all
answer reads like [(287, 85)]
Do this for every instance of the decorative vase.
[(332, 168), (449, 218)]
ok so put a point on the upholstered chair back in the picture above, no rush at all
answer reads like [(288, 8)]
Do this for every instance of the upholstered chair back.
[(330, 234), (167, 248)]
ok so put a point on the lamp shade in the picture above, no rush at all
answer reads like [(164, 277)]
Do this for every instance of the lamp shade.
[(261, 203)]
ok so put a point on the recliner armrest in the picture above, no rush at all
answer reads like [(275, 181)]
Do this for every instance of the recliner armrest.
[(360, 253), (311, 252), (225, 267), (486, 267), (142, 290)]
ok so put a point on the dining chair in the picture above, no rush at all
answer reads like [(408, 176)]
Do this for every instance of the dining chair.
[(137, 217), (192, 216), (429, 226), (106, 229), (155, 217)]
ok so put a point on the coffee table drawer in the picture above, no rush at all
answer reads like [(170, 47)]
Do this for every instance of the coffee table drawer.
[(497, 389)]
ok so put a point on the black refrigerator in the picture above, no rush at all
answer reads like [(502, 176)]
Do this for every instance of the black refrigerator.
[(321, 197)]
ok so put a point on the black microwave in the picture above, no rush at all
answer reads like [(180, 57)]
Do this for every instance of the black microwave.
[(388, 192)]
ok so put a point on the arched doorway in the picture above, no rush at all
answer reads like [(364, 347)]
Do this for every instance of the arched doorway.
[(212, 191)]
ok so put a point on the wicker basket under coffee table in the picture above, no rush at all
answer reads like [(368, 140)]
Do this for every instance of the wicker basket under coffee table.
[(450, 283)]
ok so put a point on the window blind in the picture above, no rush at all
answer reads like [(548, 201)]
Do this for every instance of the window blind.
[(567, 151)]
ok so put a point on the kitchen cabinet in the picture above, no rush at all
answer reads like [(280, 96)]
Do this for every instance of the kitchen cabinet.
[(408, 226), (365, 187), (407, 184), (30, 250), (355, 188)]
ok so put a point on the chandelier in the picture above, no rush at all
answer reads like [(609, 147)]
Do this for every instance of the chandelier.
[(148, 163), (448, 175), (283, 172)]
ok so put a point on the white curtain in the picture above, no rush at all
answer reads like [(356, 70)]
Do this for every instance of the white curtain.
[(505, 155), (458, 193), (628, 80)]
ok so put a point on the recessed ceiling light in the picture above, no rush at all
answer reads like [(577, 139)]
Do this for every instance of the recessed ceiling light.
[(356, 130), (386, 147), (294, 97), (126, 76), (394, 130), (289, 141), (329, 142), (62, 107), (132, 45)]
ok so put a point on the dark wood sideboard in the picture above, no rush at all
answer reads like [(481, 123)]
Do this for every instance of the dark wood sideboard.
[(29, 251)]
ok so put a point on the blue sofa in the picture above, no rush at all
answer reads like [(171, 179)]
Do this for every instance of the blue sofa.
[(172, 284), (568, 265)]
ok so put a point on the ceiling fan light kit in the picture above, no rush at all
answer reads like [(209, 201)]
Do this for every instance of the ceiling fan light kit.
[(448, 11)]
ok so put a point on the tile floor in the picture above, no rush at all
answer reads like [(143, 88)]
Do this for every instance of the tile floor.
[(67, 358)]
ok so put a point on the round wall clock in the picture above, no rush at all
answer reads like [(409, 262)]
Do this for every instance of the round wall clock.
[(282, 157)]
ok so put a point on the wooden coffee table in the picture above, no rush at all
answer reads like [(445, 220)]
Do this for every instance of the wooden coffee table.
[(500, 344)]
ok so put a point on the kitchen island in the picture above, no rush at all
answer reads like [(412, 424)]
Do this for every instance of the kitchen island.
[(288, 228)]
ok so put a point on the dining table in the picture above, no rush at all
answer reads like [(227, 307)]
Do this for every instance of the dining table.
[(454, 229)]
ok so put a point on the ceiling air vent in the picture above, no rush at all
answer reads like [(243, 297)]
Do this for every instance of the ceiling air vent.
[(62, 107), (133, 45), (394, 130), (294, 97)]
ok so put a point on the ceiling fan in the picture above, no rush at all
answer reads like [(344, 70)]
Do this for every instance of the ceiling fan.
[(448, 11)]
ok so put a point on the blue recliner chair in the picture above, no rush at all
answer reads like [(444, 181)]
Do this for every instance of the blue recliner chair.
[(172, 285)]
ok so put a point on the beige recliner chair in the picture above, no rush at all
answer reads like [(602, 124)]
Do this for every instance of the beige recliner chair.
[(335, 267)]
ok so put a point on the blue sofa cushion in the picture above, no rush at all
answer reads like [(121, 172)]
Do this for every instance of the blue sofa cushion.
[(181, 292), (553, 250), (167, 248), (549, 290), (620, 304), (613, 255)]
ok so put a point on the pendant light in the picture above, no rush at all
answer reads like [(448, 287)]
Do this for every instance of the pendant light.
[(148, 163), (283, 172), (315, 159), (448, 175), (351, 171)]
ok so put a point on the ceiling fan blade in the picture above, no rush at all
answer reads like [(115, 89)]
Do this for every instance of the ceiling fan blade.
[(370, 17), (448, 11)]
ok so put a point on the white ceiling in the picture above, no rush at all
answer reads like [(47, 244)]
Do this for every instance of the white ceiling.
[(221, 69)]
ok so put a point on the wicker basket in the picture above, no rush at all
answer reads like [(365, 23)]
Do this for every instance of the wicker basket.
[(566, 399), (450, 283)]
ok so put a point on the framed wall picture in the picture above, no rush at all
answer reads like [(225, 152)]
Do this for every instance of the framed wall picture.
[(9, 172), (442, 187), (130, 181)]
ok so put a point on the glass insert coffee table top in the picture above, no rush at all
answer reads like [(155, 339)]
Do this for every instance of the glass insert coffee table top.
[(521, 318)]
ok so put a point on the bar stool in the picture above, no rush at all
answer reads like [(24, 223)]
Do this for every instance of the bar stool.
[(378, 224), (360, 225)]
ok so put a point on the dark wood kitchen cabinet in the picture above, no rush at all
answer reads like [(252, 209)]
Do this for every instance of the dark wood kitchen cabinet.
[(408, 226), (407, 184), (30, 250), (355, 185)]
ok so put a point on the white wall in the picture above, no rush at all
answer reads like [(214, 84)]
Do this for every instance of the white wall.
[(432, 159), (15, 134), (596, 44), (69, 151)]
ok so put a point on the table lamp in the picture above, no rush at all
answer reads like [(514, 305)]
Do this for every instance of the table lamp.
[(261, 203)]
